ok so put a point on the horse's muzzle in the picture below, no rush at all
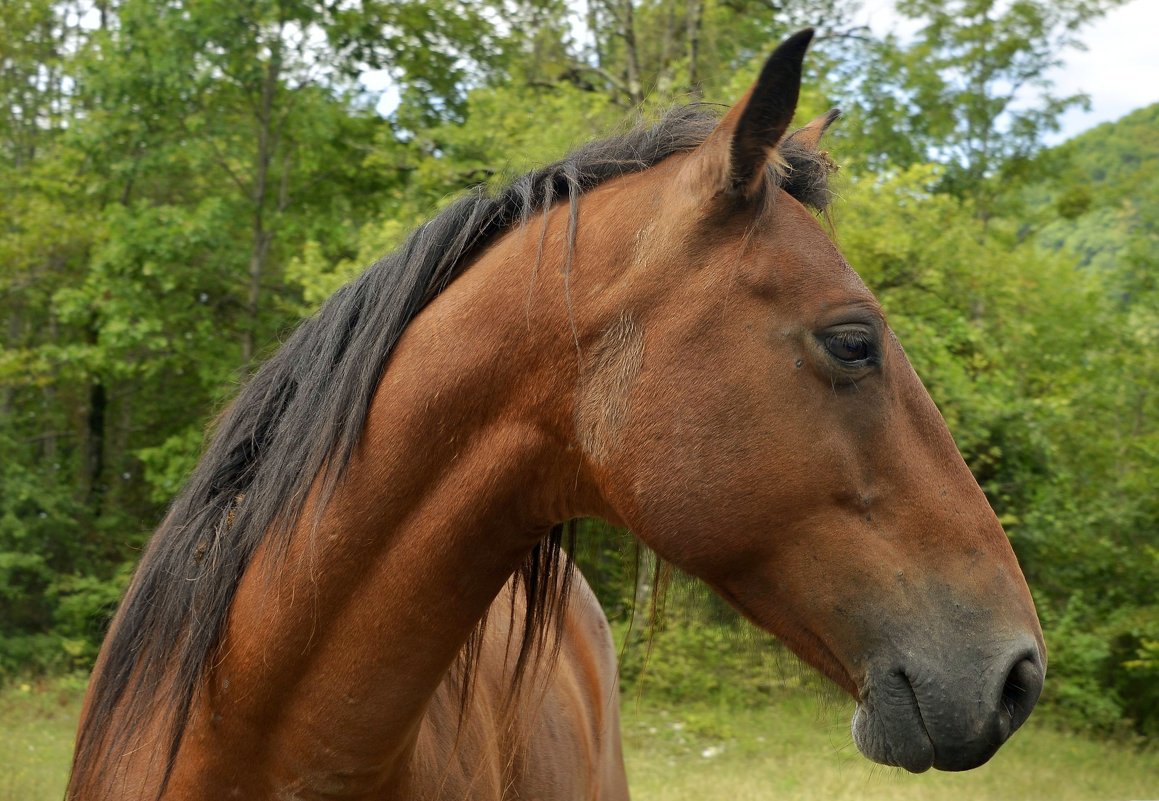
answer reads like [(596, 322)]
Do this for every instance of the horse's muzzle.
[(917, 716)]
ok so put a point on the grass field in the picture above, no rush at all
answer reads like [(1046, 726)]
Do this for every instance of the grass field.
[(795, 748), (37, 725), (801, 750)]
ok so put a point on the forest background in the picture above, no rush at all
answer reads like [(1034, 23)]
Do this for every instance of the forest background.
[(182, 180)]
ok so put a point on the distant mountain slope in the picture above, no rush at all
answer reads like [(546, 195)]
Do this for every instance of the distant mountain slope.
[(1103, 190)]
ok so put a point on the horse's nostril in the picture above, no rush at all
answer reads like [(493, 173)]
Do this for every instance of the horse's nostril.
[(1021, 690)]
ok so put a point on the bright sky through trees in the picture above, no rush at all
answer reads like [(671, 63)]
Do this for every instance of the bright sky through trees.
[(1119, 70)]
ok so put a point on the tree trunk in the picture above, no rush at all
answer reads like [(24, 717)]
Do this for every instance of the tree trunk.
[(261, 237), (643, 594), (695, 22), (94, 457), (90, 489), (594, 27), (631, 56), (12, 340)]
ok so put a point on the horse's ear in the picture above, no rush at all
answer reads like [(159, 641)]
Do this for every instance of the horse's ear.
[(809, 137), (734, 157)]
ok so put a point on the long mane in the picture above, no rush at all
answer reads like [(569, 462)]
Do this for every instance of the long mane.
[(297, 422)]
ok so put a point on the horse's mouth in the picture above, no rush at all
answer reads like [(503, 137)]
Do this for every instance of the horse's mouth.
[(944, 724), (893, 733)]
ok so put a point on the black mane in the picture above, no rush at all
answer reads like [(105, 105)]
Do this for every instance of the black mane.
[(301, 416)]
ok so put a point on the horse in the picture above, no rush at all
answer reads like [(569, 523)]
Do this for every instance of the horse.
[(363, 590)]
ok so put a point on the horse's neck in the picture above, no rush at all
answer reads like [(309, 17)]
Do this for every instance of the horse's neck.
[(333, 650)]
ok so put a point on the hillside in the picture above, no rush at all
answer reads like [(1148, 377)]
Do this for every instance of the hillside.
[(1103, 192)]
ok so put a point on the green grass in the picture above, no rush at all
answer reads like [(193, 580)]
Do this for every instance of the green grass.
[(795, 748), (37, 726)]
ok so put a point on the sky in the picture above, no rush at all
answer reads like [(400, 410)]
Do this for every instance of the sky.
[(1119, 70)]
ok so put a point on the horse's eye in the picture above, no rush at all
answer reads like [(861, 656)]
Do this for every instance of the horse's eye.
[(850, 347)]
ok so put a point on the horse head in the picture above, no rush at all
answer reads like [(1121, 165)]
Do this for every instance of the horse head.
[(746, 410)]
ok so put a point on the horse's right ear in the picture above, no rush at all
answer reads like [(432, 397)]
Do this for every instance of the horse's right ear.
[(734, 157)]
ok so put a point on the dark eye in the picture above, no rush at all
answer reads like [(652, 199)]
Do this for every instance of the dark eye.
[(852, 347)]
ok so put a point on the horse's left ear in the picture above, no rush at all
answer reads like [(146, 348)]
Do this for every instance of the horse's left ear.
[(734, 157), (809, 137)]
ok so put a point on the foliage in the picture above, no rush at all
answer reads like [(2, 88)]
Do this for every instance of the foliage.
[(728, 662), (960, 90), (1041, 372)]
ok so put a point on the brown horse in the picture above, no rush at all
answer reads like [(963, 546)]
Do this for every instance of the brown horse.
[(678, 348)]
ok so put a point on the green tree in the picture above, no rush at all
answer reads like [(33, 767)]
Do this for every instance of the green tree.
[(159, 170), (973, 90)]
